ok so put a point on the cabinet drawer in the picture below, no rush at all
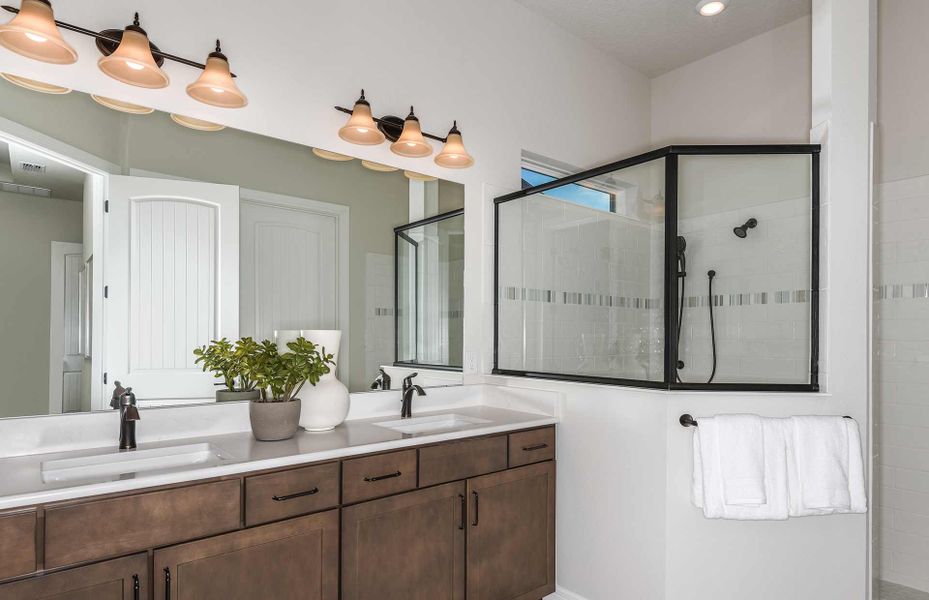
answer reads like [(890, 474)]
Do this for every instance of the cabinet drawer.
[(115, 526), (378, 475), (461, 460), (532, 446), (276, 496), (17, 544)]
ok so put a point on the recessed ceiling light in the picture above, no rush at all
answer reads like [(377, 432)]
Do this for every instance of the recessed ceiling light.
[(711, 8)]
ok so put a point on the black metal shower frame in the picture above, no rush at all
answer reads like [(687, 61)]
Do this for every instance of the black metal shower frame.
[(670, 155), (400, 232)]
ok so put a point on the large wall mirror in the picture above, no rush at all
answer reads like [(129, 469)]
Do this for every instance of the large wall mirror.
[(128, 240)]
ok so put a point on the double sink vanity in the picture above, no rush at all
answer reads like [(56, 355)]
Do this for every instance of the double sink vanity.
[(455, 504)]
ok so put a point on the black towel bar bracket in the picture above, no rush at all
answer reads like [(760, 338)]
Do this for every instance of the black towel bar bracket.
[(687, 420)]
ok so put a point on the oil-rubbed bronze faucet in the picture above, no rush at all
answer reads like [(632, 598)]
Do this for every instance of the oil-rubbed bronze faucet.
[(128, 415), (406, 410)]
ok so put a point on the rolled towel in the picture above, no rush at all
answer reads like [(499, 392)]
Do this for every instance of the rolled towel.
[(742, 459)]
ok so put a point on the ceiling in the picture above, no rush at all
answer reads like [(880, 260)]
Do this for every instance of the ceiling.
[(656, 36), (64, 182)]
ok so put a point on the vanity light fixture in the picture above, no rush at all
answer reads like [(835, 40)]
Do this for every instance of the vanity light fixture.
[(711, 8), (406, 136), (413, 175), (411, 142), (35, 86), (215, 85), (454, 155), (122, 106), (133, 61), (329, 155), (33, 33), (361, 128), (196, 124), (367, 164)]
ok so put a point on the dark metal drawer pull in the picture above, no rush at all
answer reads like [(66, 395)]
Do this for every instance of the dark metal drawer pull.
[(136, 587), (534, 447), (297, 495), (381, 477), (167, 583), (464, 509), (477, 506)]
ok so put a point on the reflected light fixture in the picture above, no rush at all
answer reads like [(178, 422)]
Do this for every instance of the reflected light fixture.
[(711, 8), (35, 86), (367, 164), (121, 106), (34, 34), (196, 124), (133, 61), (411, 142), (454, 155), (360, 128), (413, 175), (215, 85), (330, 155)]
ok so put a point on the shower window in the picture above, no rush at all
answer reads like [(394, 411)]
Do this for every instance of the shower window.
[(702, 275)]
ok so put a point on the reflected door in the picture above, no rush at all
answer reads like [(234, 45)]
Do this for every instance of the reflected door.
[(65, 357), (172, 282)]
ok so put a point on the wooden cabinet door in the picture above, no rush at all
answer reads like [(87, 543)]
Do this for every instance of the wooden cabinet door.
[(120, 579), (511, 534), (298, 558), (406, 547)]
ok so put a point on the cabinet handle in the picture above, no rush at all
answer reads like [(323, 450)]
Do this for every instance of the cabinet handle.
[(534, 447), (297, 495), (381, 477), (477, 507), (464, 509), (167, 583), (136, 587)]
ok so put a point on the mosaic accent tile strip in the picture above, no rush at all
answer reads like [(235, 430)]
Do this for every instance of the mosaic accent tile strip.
[(605, 300), (383, 312), (901, 291)]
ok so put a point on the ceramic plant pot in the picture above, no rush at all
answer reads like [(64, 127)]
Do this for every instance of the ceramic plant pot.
[(326, 404), (228, 396), (273, 421)]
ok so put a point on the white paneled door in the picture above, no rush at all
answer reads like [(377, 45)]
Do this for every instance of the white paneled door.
[(172, 282), (294, 267), (65, 357)]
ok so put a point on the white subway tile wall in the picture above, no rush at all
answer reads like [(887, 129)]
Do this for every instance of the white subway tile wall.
[(901, 308), (379, 312)]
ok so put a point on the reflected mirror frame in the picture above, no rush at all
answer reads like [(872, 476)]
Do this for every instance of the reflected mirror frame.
[(670, 155), (400, 233)]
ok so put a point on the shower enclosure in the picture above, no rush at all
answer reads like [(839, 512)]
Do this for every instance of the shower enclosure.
[(688, 267)]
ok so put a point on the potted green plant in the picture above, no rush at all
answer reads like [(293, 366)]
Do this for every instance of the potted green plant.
[(229, 363), (279, 377)]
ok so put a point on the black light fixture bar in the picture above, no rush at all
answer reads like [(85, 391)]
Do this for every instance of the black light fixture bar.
[(115, 40), (391, 122)]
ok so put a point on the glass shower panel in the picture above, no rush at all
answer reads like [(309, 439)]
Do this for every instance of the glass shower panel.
[(745, 221), (580, 282)]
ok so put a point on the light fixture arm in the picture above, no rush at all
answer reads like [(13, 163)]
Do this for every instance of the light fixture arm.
[(387, 121), (115, 40)]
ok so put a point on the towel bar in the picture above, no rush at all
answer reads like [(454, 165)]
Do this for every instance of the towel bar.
[(687, 420)]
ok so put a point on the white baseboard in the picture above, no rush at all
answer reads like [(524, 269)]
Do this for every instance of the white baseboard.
[(563, 594)]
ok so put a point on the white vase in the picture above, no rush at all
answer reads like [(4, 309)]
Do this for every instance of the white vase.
[(326, 404)]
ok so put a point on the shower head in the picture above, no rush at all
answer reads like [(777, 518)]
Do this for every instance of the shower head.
[(681, 245), (742, 230)]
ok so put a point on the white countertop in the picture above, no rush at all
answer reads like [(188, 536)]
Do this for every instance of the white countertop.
[(21, 481)]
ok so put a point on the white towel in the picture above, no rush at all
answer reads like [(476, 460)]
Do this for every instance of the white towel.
[(708, 490), (825, 468), (741, 459)]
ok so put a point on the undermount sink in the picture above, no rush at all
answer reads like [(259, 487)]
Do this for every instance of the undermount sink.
[(432, 424), (128, 463)]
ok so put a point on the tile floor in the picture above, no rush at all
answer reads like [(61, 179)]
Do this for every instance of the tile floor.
[(892, 591)]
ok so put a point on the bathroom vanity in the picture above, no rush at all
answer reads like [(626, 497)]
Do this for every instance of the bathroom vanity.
[(467, 514)]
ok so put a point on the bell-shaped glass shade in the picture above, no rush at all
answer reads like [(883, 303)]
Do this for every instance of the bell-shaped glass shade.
[(411, 143), (35, 86), (34, 34), (121, 106), (216, 86), (197, 124), (454, 155), (133, 62), (361, 128), (330, 155), (367, 164)]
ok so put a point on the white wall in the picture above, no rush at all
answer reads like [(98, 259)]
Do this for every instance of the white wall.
[(756, 91), (901, 213)]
